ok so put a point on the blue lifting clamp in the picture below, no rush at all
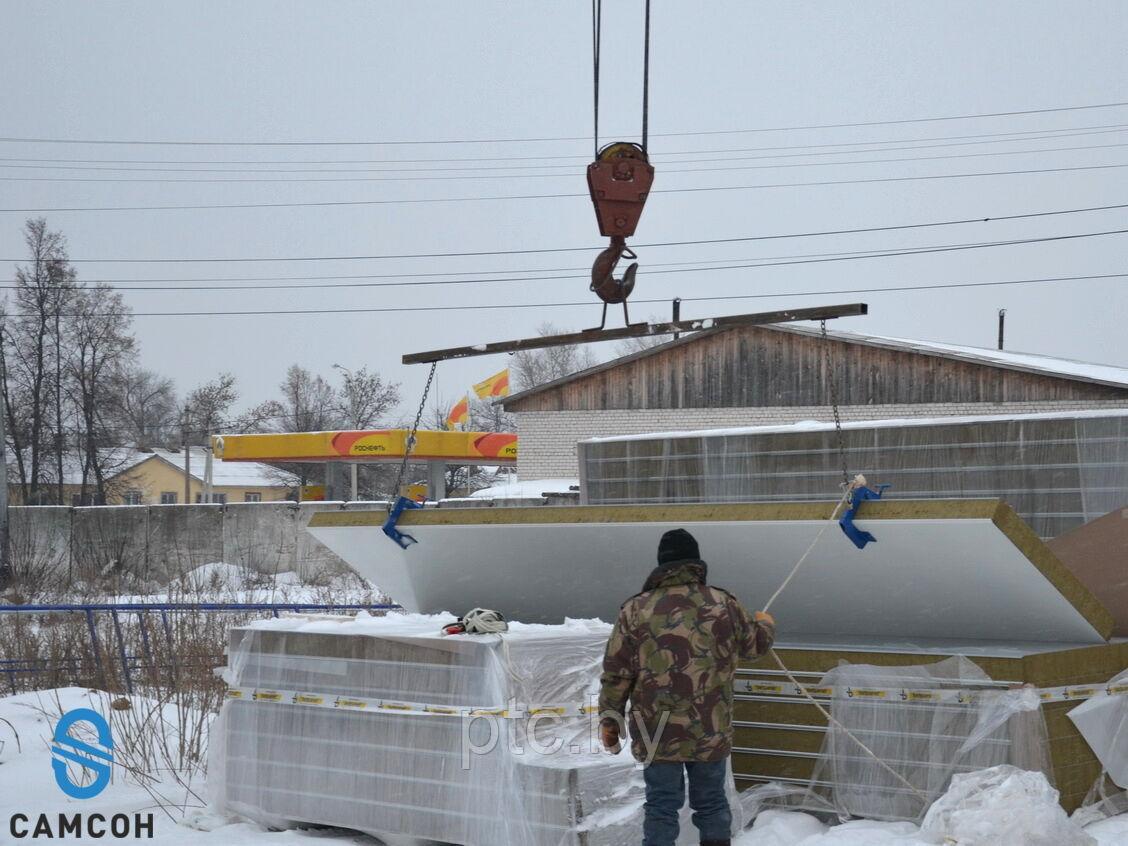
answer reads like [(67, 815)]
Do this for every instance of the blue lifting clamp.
[(402, 538), (860, 494)]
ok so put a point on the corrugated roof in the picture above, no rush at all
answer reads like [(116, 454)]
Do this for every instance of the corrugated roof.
[(1063, 368)]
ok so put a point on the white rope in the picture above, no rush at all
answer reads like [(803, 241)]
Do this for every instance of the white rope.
[(845, 730), (847, 490), (859, 481)]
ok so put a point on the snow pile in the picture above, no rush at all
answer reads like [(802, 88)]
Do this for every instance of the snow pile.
[(526, 490), (1003, 805)]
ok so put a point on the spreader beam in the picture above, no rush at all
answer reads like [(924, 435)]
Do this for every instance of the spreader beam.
[(592, 336)]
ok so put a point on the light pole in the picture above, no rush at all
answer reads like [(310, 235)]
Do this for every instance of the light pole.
[(349, 390)]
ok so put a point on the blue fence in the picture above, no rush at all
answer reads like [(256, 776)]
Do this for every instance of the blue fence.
[(130, 643)]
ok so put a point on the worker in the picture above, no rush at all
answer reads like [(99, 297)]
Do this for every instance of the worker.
[(673, 653)]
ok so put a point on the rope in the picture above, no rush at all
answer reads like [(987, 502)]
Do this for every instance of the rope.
[(845, 730), (410, 445), (847, 490), (646, 79), (833, 516)]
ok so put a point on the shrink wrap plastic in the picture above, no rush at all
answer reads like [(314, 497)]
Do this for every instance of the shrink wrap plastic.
[(537, 779), (924, 743), (1057, 470)]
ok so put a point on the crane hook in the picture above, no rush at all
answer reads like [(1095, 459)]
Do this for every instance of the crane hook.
[(603, 281)]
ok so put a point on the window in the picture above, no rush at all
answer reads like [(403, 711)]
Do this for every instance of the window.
[(168, 497), (132, 497), (252, 496), (218, 498)]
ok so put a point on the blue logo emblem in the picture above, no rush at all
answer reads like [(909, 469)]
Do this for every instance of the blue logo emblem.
[(95, 759)]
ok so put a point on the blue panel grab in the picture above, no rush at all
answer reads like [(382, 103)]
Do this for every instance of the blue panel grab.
[(858, 536), (402, 538)]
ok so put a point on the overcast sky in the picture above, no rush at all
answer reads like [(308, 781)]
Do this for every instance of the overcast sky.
[(733, 73)]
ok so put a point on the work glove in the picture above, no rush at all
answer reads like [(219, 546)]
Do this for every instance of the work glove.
[(609, 734), (765, 631)]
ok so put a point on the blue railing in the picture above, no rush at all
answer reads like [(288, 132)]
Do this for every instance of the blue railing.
[(75, 667)]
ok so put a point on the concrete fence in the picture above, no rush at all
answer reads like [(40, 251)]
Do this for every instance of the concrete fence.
[(157, 543)]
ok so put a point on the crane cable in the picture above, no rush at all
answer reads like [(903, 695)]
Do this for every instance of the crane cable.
[(596, 39), (410, 445)]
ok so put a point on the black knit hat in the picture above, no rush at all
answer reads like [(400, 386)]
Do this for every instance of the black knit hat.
[(677, 545)]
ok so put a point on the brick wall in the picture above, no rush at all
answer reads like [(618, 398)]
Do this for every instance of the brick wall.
[(548, 438)]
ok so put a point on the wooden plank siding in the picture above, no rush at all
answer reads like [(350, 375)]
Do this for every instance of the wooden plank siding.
[(751, 367)]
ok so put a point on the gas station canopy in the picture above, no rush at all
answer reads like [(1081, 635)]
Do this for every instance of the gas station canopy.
[(498, 448)]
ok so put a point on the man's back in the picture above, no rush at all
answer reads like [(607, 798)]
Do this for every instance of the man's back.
[(673, 653)]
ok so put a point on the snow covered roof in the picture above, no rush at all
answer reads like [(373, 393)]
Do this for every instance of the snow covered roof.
[(247, 474), (828, 426), (1103, 374), (1062, 368), (118, 460)]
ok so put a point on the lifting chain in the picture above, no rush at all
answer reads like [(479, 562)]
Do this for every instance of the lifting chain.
[(833, 386), (410, 445)]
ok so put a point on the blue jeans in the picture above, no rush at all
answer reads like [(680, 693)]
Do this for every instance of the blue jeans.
[(665, 795)]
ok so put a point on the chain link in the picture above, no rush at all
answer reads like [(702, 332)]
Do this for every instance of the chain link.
[(833, 385), (410, 445)]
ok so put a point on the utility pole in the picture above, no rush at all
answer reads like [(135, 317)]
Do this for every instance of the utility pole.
[(1002, 323), (187, 458), (677, 315), (208, 470), (5, 552)]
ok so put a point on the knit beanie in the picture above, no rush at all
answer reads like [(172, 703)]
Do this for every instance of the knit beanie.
[(677, 545)]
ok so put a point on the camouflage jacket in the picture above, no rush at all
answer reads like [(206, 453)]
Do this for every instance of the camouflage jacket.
[(673, 653)]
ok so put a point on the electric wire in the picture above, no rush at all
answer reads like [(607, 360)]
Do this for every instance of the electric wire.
[(675, 267), (652, 245), (512, 197), (446, 141), (496, 177), (588, 303), (989, 138)]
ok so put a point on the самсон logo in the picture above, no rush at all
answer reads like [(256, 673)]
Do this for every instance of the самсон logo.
[(95, 759)]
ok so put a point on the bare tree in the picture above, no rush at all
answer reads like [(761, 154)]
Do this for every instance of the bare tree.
[(364, 398), (641, 343), (206, 407), (309, 403), (486, 416), (145, 407), (535, 367), (99, 347), (44, 287)]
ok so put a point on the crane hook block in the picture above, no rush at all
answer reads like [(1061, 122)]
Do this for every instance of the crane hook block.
[(619, 181)]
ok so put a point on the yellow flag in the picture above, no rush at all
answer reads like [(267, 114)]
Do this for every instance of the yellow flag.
[(460, 413), (495, 386)]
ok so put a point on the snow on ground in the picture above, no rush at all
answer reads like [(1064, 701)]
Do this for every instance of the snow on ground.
[(27, 786), (220, 582)]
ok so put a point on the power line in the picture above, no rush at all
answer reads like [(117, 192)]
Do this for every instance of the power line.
[(655, 244), (496, 177), (418, 142), (994, 138), (697, 267), (429, 200), (497, 306)]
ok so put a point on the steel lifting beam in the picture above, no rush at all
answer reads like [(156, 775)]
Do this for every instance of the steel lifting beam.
[(592, 336)]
